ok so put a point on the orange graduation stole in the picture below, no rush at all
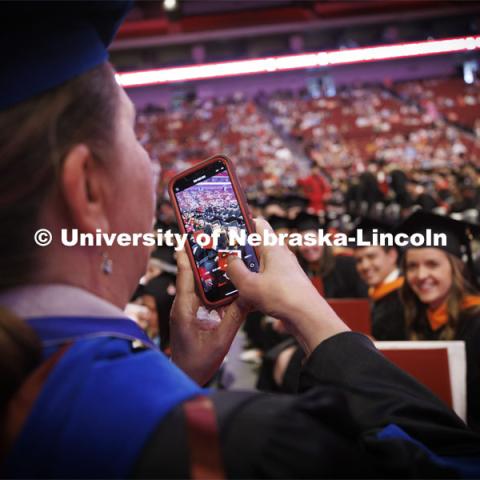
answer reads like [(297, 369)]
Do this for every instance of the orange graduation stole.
[(378, 292), (438, 317)]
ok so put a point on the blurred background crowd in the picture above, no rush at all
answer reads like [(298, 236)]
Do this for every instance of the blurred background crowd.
[(321, 147)]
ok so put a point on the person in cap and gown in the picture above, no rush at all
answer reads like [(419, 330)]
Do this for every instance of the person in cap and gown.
[(441, 302), (378, 267), (334, 276), (78, 397)]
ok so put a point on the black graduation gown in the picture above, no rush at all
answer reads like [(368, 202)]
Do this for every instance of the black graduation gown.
[(261, 334), (328, 430), (266, 382), (469, 331), (388, 321), (343, 280)]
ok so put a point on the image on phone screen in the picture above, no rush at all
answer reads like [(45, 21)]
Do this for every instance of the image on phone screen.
[(208, 204)]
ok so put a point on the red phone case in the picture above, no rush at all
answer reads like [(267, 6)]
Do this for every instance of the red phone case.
[(242, 202)]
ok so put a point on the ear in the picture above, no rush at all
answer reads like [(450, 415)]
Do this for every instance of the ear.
[(393, 255), (82, 185)]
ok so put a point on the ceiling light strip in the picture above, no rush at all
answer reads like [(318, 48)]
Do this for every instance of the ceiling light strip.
[(295, 62)]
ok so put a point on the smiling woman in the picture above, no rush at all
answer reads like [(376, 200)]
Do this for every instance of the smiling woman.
[(440, 300)]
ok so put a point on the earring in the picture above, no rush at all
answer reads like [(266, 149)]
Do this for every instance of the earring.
[(107, 264)]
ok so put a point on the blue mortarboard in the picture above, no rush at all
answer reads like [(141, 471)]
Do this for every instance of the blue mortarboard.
[(44, 44)]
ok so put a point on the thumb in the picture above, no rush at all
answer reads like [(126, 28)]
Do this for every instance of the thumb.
[(240, 275)]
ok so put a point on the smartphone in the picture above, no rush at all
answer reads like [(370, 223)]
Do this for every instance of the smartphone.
[(208, 199)]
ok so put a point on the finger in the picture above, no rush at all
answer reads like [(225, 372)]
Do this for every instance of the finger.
[(232, 319), (261, 227), (244, 280), (185, 279)]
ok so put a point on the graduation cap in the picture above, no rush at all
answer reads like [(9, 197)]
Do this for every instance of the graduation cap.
[(165, 255), (278, 222), (296, 201), (370, 228), (305, 221), (274, 201), (459, 234), (254, 201), (46, 43)]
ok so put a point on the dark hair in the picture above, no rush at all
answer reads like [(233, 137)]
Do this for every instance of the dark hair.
[(35, 137)]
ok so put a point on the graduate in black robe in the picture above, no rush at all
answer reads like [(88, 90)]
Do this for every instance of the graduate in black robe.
[(377, 266), (441, 301), (334, 276), (388, 322)]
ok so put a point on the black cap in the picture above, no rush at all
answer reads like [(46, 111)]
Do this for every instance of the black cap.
[(165, 254), (296, 201), (278, 222), (369, 227), (458, 233), (46, 43), (306, 221), (274, 201)]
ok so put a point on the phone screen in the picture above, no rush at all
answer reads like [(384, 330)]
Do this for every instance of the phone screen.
[(208, 204)]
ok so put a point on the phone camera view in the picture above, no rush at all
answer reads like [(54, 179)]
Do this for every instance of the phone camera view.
[(209, 205)]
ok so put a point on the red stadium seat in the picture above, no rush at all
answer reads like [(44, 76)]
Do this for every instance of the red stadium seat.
[(440, 366), (355, 312)]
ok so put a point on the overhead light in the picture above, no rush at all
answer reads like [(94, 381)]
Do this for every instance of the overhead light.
[(170, 5), (296, 62)]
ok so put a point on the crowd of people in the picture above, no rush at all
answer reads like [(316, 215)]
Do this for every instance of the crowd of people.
[(376, 156), (198, 129), (451, 98), (379, 150)]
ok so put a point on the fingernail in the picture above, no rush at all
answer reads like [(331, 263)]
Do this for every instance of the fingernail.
[(232, 258)]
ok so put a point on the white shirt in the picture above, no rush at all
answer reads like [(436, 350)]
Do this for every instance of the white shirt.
[(42, 300)]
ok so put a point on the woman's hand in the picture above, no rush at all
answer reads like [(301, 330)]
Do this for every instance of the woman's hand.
[(200, 339), (282, 290)]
